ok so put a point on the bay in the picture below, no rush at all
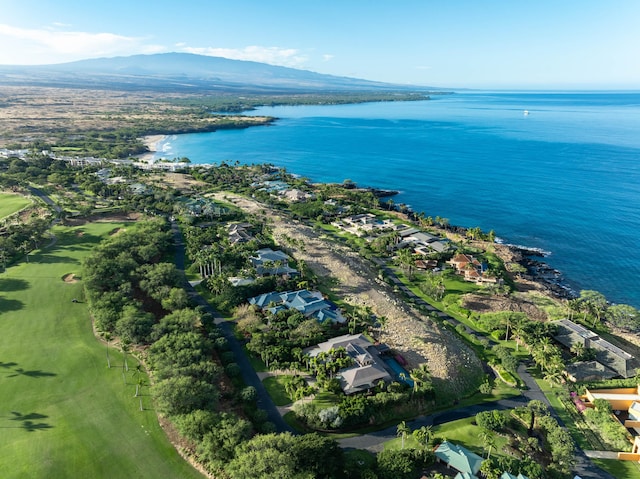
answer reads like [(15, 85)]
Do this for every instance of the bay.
[(564, 178)]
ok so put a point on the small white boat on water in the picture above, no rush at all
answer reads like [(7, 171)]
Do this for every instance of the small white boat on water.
[(526, 113)]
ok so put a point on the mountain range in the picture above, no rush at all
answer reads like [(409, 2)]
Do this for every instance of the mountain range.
[(185, 72)]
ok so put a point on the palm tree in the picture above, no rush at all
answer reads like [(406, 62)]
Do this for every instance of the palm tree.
[(573, 305), (424, 434), (405, 257), (488, 441), (402, 430)]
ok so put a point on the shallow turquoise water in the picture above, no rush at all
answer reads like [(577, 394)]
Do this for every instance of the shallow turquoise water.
[(565, 178)]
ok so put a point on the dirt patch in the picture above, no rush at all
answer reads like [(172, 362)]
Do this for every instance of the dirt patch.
[(182, 182), (69, 278), (116, 231), (492, 304)]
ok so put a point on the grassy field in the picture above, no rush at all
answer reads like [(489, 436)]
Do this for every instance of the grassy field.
[(275, 387), (10, 203), (63, 413)]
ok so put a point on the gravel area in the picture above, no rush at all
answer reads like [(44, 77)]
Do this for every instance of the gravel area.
[(452, 364)]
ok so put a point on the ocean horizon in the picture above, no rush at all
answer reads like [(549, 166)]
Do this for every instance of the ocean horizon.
[(555, 171)]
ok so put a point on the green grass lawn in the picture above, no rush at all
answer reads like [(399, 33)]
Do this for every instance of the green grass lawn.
[(465, 433), (275, 387), (619, 469), (63, 413), (10, 203)]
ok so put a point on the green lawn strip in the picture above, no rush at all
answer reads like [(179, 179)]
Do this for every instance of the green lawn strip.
[(410, 442), (619, 469), (63, 413), (276, 389), (465, 433), (11, 203), (256, 363), (325, 399), (462, 432)]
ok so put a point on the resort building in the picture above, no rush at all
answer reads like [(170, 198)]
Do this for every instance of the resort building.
[(625, 402), (612, 357)]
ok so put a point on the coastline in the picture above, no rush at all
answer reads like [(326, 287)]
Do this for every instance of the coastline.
[(151, 142)]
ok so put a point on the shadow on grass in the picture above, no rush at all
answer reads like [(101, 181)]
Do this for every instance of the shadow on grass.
[(13, 284), (36, 373), (13, 371), (10, 305), (28, 422)]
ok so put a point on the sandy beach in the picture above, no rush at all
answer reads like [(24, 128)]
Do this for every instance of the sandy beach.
[(151, 142)]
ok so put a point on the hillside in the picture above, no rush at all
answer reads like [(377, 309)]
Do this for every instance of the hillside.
[(184, 72)]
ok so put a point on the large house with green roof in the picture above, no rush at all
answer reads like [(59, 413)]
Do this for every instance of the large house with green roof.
[(459, 458)]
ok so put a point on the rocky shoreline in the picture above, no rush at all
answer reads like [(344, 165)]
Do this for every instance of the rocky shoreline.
[(551, 279)]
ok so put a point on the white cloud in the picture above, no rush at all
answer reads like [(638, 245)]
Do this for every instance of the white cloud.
[(287, 57), (327, 57), (34, 46), (56, 43)]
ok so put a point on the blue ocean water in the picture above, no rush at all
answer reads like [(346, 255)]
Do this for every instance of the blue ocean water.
[(564, 178)]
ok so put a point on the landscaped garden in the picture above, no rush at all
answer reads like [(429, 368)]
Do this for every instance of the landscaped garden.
[(64, 412)]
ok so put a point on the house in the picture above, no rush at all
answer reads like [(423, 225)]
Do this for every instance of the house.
[(421, 242), (507, 475), (362, 224), (295, 195), (367, 371), (459, 458), (239, 233), (238, 281), (569, 333), (272, 263), (461, 261), (309, 303)]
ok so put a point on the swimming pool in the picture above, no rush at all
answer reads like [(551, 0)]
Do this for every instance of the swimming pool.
[(401, 373)]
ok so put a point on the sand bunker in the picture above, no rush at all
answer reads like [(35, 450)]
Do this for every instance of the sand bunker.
[(69, 278)]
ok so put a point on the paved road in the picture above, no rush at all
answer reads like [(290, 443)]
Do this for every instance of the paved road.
[(249, 375), (40, 194)]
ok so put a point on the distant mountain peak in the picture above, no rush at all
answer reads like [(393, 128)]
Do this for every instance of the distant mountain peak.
[(187, 72)]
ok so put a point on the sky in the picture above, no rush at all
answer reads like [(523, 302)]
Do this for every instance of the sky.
[(497, 44)]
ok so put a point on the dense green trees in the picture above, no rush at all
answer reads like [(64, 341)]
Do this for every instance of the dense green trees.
[(283, 455)]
